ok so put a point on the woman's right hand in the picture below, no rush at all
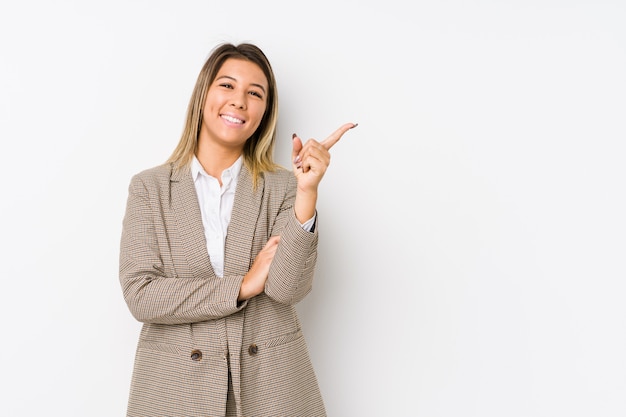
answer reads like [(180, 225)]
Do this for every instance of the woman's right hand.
[(254, 281)]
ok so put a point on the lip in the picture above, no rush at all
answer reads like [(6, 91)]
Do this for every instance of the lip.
[(232, 119)]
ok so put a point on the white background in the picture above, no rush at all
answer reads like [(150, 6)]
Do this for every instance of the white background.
[(472, 227)]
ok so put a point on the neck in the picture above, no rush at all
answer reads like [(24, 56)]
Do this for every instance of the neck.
[(215, 160)]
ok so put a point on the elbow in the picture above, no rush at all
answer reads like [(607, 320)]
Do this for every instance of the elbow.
[(134, 297), (138, 312), (287, 296)]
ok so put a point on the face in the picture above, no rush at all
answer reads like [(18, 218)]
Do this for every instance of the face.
[(235, 104)]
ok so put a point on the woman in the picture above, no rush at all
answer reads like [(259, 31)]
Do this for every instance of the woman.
[(218, 245)]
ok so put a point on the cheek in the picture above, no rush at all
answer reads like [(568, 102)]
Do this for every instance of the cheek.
[(213, 102), (210, 104), (259, 113)]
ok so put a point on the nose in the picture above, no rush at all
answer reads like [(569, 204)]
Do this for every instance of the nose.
[(238, 100)]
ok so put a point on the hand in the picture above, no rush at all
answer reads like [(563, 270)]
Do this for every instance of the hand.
[(254, 281), (309, 165), (311, 160)]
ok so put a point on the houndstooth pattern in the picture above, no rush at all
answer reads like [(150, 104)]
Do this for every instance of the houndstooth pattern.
[(194, 330)]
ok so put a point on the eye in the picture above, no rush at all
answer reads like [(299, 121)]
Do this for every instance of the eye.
[(256, 94), (226, 85)]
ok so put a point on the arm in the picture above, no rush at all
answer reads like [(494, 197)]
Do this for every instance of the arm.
[(151, 289), (254, 280), (291, 273)]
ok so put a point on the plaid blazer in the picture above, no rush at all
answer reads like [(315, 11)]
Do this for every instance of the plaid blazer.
[(200, 352)]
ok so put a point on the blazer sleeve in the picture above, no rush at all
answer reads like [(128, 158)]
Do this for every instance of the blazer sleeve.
[(291, 274), (152, 294)]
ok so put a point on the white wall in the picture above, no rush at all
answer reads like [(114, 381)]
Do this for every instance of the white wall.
[(473, 235)]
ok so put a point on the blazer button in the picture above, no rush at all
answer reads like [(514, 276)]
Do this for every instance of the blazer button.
[(196, 355), (253, 349)]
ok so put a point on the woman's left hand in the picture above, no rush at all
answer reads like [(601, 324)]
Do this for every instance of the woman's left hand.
[(311, 160)]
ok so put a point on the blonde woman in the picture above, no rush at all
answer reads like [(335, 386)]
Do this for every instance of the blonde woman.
[(218, 245)]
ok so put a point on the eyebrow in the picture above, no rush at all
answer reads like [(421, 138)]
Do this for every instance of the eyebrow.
[(234, 79)]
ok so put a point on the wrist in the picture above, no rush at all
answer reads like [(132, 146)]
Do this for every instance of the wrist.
[(304, 206), (244, 292)]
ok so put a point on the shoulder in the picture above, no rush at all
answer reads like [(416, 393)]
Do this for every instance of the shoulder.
[(279, 177), (279, 184), (155, 174), (151, 178), (280, 181)]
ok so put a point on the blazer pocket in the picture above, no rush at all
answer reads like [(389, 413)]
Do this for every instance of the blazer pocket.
[(281, 340), (159, 347)]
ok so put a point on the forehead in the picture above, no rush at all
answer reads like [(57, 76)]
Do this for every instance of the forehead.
[(243, 71)]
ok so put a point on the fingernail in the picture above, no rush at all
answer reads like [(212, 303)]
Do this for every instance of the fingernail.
[(295, 161), (293, 136), (355, 125)]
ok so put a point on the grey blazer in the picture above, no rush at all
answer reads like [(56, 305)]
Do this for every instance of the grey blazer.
[(200, 352)]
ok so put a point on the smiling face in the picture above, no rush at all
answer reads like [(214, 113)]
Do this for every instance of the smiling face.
[(234, 106)]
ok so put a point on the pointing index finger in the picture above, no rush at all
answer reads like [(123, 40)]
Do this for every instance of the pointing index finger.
[(337, 134)]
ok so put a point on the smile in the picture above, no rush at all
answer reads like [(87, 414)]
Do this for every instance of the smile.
[(232, 119)]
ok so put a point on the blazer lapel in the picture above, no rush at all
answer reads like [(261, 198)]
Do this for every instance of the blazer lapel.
[(242, 225), (188, 218)]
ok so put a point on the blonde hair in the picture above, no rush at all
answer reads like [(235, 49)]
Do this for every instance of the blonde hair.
[(258, 150)]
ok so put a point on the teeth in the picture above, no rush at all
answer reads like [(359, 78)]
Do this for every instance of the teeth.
[(232, 119)]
